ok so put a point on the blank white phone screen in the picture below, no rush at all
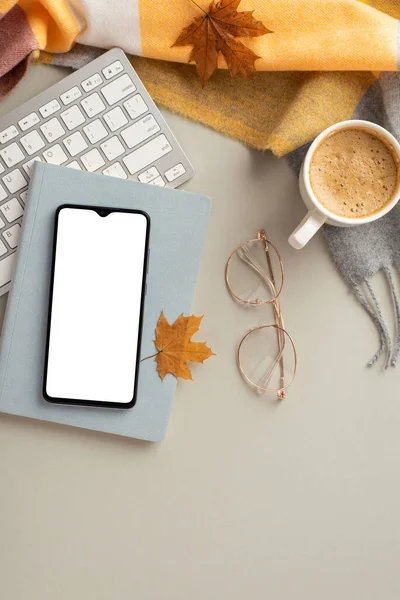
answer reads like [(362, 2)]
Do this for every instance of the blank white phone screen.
[(96, 304)]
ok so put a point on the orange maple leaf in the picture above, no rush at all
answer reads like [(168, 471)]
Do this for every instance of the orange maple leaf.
[(215, 31), (175, 347)]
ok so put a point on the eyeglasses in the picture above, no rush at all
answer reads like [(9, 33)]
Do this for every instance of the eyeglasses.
[(266, 355)]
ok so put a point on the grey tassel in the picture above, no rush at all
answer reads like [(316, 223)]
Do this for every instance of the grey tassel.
[(396, 349), (382, 323), (361, 298)]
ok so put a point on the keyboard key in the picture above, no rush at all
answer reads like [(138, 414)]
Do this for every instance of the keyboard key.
[(148, 175), (28, 166), (93, 105), (23, 196), (112, 148), (115, 118), (74, 165), (8, 134), (116, 170), (73, 117), (72, 94), (136, 106), (52, 130), (12, 235), (14, 181), (159, 181), (118, 89), (112, 69), (3, 248), (3, 193), (95, 131), (140, 131), (48, 109), (92, 160), (2, 169), (32, 142), (75, 143), (144, 156), (92, 82), (7, 268), (55, 155), (12, 154), (29, 121), (175, 172), (12, 210)]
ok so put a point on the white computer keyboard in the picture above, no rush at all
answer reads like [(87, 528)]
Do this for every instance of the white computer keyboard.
[(99, 119)]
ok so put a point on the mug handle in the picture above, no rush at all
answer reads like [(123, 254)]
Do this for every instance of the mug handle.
[(307, 228)]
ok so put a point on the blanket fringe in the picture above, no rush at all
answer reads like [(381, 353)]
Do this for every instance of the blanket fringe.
[(371, 305), (396, 350), (379, 322)]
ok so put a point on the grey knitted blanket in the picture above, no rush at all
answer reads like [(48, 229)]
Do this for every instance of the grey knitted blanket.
[(360, 252)]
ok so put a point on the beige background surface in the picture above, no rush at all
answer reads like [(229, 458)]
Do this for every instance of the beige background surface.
[(245, 498)]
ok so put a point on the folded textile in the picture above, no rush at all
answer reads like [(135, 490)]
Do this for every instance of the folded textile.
[(278, 111), (307, 34)]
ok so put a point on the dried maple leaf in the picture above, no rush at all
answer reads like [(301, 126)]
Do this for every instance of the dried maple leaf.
[(216, 31), (175, 348)]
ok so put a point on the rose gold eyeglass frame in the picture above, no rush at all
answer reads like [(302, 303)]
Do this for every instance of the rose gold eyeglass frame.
[(278, 325)]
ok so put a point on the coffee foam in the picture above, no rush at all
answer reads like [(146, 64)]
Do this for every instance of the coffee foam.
[(354, 173)]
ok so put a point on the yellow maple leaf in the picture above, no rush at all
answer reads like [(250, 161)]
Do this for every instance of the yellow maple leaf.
[(175, 347), (217, 30)]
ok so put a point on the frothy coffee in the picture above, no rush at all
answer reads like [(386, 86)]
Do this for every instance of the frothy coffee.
[(354, 173)]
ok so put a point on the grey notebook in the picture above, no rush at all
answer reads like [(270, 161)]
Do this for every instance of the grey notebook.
[(179, 223)]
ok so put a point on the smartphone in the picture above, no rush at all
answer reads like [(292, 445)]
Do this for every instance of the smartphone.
[(97, 292)]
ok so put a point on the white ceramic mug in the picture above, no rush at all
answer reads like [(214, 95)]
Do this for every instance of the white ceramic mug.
[(317, 214)]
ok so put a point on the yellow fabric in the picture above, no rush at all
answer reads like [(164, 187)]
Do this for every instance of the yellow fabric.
[(6, 5), (51, 21), (341, 44), (278, 111), (43, 58), (270, 112), (391, 7), (308, 34)]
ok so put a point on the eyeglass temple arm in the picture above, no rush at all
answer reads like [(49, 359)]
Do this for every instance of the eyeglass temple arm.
[(278, 317), (281, 344)]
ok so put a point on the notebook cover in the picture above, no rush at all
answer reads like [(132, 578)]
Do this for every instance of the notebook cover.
[(179, 223)]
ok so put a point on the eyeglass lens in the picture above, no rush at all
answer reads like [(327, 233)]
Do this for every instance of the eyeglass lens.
[(262, 355), (249, 273)]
